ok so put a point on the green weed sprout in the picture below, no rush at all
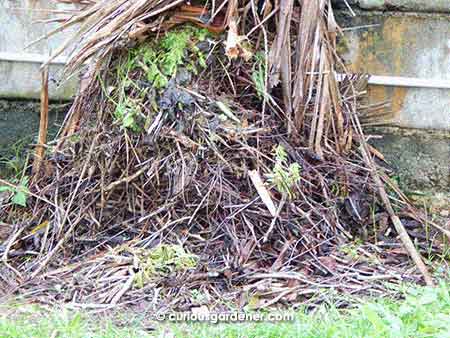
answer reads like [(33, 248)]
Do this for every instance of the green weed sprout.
[(161, 261), (19, 193), (284, 176)]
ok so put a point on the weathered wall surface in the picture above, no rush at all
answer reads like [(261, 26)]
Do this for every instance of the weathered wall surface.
[(405, 45), (405, 39), (433, 6), (19, 25), (420, 160), (19, 120)]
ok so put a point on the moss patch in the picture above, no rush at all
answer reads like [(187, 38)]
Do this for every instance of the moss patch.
[(158, 62)]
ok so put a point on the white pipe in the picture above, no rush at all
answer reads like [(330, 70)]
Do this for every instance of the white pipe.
[(376, 80), (400, 81), (31, 58)]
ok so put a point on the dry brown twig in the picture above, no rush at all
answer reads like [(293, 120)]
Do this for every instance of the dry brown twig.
[(43, 125)]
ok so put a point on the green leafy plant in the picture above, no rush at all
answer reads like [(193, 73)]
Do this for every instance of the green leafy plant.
[(259, 75), (351, 249), (174, 45), (19, 193), (150, 63), (127, 112), (161, 261), (161, 61), (14, 163), (284, 176)]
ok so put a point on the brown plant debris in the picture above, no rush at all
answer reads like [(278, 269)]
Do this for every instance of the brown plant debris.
[(185, 177)]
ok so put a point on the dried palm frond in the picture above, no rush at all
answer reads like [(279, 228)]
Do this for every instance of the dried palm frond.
[(105, 25), (317, 101)]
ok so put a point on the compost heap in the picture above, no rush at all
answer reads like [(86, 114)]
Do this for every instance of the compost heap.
[(220, 162)]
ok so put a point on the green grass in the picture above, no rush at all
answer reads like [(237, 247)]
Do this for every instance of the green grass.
[(32, 321), (424, 312)]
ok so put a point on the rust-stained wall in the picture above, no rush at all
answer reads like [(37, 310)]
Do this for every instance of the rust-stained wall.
[(407, 45), (411, 45), (418, 6)]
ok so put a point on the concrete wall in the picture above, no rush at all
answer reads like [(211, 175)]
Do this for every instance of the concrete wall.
[(413, 45), (19, 25), (408, 39), (432, 6)]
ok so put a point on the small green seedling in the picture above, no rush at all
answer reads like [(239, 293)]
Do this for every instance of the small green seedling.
[(161, 261), (284, 176), (19, 193), (259, 75)]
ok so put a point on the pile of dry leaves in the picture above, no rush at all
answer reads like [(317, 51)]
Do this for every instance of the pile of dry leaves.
[(214, 155)]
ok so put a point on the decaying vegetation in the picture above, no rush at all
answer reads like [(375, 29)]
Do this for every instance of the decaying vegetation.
[(213, 149)]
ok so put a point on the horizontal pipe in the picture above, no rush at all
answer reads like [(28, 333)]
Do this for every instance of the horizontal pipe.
[(377, 80), (31, 58), (398, 81), (401, 81)]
